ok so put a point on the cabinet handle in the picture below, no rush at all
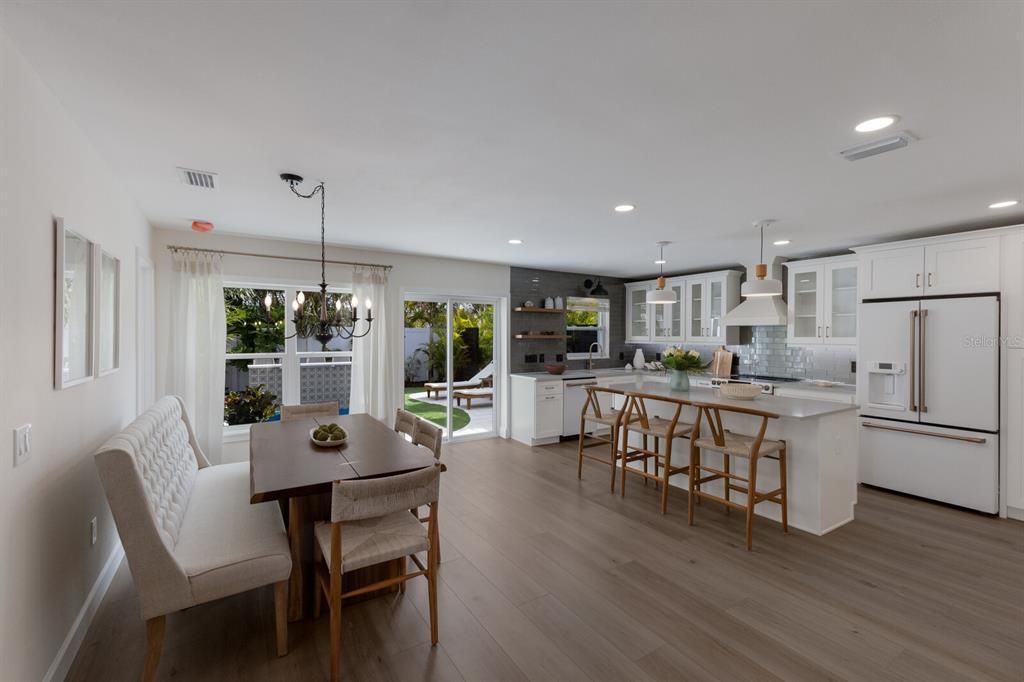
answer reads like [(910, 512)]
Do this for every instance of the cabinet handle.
[(827, 332), (917, 280), (966, 439), (819, 331), (924, 355), (913, 351), (930, 280)]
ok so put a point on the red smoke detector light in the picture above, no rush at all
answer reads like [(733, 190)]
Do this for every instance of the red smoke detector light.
[(202, 225)]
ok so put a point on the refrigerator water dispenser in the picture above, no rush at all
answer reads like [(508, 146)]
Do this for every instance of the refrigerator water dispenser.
[(887, 385)]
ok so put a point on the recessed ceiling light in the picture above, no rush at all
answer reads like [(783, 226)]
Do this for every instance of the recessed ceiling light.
[(873, 124), (1004, 204), (781, 242), (624, 208), (660, 261), (515, 241)]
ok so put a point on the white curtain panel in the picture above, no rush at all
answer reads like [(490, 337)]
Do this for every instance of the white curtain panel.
[(377, 357), (195, 369)]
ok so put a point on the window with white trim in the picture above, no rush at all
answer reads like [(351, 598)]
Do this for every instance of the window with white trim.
[(267, 364), (586, 322)]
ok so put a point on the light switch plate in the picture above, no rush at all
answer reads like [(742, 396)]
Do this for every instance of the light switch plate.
[(22, 443)]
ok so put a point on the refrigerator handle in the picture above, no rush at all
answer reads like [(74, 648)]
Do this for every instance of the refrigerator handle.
[(913, 350), (924, 354)]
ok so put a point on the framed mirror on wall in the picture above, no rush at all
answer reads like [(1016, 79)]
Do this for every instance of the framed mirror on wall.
[(108, 316), (73, 307)]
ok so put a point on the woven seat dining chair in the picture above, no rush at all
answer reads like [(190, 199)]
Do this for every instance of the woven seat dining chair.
[(370, 524), (662, 430), (405, 422), (293, 412), (599, 414)]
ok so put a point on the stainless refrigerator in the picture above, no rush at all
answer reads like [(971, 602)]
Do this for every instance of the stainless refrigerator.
[(928, 389)]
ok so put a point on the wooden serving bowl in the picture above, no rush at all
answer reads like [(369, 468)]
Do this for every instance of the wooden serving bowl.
[(554, 369)]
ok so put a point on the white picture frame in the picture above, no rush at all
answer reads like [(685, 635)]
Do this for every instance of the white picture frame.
[(74, 303), (108, 313)]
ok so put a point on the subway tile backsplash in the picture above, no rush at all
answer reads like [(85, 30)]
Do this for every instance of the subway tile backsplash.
[(768, 353)]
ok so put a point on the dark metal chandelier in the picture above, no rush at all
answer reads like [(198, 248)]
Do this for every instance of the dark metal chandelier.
[(328, 322)]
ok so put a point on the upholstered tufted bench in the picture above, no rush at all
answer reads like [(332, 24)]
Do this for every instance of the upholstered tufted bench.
[(188, 529)]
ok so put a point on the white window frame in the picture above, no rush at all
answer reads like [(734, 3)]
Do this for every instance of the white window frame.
[(291, 358), (603, 334)]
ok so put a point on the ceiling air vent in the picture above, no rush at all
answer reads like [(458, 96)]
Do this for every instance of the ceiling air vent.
[(886, 144), (198, 178)]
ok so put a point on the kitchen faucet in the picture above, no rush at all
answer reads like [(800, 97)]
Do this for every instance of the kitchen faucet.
[(590, 354)]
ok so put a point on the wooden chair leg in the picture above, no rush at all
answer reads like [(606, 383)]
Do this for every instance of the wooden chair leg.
[(579, 451), (334, 603), (751, 500), (625, 467), (785, 494), (281, 616), (693, 473), (154, 644), (664, 477), (614, 437), (401, 571), (646, 447), (727, 460), (432, 559)]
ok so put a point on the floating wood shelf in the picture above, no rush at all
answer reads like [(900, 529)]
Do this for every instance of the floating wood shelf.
[(523, 309), (556, 337)]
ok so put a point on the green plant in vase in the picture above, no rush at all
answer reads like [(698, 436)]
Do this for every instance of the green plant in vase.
[(678, 361)]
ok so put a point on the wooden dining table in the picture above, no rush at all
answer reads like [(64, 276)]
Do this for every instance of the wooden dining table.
[(285, 465)]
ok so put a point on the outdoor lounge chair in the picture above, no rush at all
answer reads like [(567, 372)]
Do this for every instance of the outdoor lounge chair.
[(478, 380)]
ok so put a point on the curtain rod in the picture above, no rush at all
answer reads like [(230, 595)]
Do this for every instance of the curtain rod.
[(175, 248)]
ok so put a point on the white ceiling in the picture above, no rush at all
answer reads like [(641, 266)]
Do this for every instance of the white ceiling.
[(448, 128)]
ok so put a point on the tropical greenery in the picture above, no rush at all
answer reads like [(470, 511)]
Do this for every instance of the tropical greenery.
[(468, 320), (250, 327), (581, 318), (682, 360), (254, 404)]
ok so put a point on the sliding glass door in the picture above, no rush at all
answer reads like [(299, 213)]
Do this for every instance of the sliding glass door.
[(449, 361)]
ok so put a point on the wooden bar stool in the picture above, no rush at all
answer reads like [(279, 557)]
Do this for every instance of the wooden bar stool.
[(637, 419), (602, 415), (731, 445)]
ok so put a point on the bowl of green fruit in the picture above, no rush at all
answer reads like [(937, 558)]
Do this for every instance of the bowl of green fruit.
[(328, 436)]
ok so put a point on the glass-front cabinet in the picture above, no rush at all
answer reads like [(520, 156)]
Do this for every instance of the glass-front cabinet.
[(708, 299), (668, 317), (638, 319), (697, 316), (822, 304)]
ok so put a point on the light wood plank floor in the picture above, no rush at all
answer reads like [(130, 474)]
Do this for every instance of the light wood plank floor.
[(548, 578)]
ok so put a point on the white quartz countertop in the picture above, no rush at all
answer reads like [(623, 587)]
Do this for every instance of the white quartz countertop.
[(786, 408)]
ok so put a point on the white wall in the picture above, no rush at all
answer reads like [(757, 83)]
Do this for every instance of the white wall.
[(47, 169), (419, 274)]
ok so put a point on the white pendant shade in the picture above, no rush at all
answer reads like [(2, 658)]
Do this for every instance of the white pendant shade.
[(761, 287), (664, 296)]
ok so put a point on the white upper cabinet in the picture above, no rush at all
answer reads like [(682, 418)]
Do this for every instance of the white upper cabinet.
[(668, 317), (696, 317), (638, 327), (938, 267), (965, 266), (822, 306), (708, 298), (892, 273)]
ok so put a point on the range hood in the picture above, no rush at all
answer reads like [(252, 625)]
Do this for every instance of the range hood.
[(759, 311)]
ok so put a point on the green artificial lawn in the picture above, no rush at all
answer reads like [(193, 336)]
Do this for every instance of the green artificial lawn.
[(434, 413)]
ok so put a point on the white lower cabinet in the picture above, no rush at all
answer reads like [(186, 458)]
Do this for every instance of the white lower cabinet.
[(536, 410), (1013, 432)]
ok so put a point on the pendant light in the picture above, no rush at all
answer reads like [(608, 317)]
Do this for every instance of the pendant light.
[(762, 286), (661, 294)]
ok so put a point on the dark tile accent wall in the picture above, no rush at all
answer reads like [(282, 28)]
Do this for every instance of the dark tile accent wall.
[(530, 284)]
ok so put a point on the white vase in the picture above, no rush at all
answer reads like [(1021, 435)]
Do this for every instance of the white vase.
[(638, 358)]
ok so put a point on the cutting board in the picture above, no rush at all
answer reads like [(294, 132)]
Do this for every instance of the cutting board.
[(721, 362)]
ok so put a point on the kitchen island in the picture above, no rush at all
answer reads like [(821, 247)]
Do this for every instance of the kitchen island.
[(821, 437)]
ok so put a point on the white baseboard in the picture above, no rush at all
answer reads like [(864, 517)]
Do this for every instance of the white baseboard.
[(69, 648), (1014, 513)]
